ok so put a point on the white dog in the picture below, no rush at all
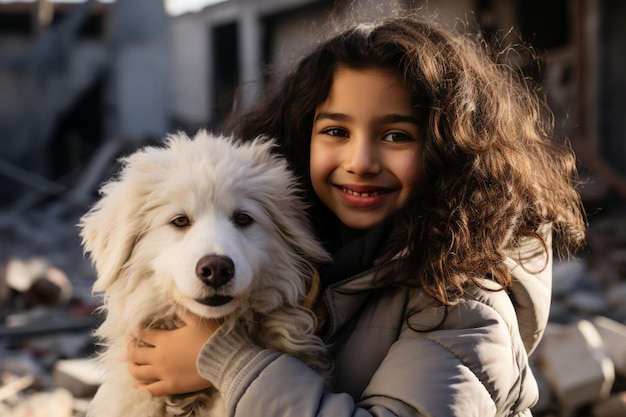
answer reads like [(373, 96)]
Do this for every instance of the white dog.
[(206, 225)]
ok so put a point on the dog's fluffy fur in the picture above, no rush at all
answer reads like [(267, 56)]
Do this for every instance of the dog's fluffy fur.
[(170, 216)]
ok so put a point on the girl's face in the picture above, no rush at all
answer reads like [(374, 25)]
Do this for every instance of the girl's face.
[(365, 149)]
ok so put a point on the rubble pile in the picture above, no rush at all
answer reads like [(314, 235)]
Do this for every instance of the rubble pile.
[(47, 315), (581, 360)]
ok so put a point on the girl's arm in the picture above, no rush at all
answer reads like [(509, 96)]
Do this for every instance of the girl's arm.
[(168, 362), (256, 381), (419, 376)]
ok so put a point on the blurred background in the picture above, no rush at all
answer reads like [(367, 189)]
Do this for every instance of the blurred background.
[(84, 82)]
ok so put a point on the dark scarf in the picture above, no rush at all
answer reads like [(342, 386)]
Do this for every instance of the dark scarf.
[(356, 256)]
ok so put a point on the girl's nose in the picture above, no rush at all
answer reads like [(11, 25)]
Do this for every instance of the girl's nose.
[(361, 157)]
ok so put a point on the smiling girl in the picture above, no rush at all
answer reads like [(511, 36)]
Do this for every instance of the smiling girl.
[(435, 181)]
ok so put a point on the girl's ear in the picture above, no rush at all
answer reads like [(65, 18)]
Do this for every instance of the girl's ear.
[(110, 230)]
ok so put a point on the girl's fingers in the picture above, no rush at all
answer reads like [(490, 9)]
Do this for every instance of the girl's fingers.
[(157, 388), (143, 373), (150, 337), (133, 352)]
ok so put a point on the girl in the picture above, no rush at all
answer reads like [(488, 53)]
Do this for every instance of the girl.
[(435, 183)]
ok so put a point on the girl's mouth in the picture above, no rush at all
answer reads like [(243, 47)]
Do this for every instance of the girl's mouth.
[(364, 196)]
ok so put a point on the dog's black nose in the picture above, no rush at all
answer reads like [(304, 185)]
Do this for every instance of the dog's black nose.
[(215, 270)]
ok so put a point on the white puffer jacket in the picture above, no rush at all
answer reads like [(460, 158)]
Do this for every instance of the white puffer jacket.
[(467, 360)]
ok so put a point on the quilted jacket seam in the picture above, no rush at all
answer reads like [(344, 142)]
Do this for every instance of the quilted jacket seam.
[(462, 362)]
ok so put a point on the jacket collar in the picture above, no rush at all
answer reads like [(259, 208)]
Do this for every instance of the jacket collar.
[(350, 279)]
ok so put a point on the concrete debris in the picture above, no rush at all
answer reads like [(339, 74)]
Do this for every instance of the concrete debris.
[(39, 282), (47, 313), (590, 377), (14, 384), (613, 335), (56, 403), (614, 406), (81, 377)]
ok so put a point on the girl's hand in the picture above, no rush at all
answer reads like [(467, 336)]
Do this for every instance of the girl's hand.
[(164, 361)]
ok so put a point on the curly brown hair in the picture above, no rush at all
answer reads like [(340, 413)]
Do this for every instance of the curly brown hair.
[(495, 173)]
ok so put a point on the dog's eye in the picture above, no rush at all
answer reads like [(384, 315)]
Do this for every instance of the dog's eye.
[(242, 219), (181, 221)]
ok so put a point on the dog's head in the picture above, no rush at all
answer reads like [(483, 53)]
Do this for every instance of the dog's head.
[(211, 222)]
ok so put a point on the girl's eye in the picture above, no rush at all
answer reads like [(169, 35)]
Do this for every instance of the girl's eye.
[(397, 137), (181, 221), (334, 131), (242, 219)]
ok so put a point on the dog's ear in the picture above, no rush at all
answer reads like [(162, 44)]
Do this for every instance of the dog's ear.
[(111, 228)]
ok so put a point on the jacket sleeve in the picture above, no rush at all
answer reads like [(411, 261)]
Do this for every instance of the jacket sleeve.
[(256, 381), (469, 366)]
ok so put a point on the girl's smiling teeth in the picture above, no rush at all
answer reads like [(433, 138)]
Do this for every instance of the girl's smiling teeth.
[(370, 193)]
